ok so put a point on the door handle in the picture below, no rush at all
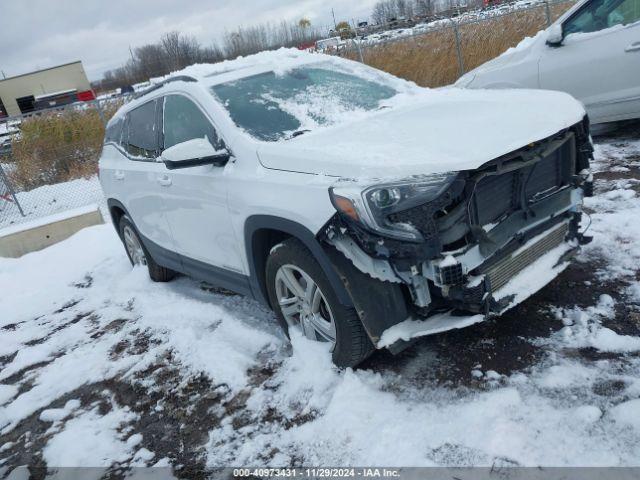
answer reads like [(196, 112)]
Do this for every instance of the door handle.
[(634, 47), (118, 175), (164, 180)]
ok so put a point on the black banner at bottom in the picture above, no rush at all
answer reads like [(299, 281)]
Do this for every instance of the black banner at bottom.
[(403, 473)]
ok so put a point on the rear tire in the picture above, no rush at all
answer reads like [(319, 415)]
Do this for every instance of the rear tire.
[(138, 254), (302, 297)]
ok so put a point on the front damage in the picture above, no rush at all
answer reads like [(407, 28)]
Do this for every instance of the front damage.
[(483, 237)]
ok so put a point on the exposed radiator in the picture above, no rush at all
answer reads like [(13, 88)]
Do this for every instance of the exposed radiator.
[(506, 268)]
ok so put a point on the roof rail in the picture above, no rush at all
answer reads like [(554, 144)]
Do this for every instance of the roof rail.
[(177, 78)]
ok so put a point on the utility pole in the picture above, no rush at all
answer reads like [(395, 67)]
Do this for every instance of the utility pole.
[(335, 26), (3, 75), (357, 41)]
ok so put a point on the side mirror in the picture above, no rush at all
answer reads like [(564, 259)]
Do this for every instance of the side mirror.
[(193, 153), (555, 35)]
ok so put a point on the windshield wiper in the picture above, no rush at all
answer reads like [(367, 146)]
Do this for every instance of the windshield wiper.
[(297, 133)]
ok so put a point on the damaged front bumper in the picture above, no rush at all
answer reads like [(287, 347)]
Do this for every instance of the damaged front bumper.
[(507, 234), (516, 290)]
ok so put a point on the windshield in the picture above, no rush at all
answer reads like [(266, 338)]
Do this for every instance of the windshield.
[(272, 106)]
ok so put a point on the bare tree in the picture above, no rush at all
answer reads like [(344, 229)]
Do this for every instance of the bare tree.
[(424, 7), (175, 51)]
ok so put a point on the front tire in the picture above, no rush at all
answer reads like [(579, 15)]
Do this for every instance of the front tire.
[(303, 298), (138, 254)]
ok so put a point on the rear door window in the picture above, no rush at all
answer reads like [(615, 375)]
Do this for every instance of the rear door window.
[(142, 132)]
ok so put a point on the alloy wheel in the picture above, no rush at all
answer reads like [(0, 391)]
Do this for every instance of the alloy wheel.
[(303, 305), (133, 246)]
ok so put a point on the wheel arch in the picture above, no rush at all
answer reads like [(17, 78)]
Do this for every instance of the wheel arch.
[(116, 210), (262, 232)]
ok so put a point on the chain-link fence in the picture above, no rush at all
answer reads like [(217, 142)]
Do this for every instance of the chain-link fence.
[(49, 160), (9, 205), (438, 53)]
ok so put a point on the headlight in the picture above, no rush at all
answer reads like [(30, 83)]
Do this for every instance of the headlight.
[(371, 206)]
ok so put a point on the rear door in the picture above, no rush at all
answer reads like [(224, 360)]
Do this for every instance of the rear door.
[(140, 179), (599, 59), (195, 198), (113, 159)]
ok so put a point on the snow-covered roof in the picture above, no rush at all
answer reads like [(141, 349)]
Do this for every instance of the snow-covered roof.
[(280, 60)]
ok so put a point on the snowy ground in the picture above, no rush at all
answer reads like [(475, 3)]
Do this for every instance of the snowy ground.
[(100, 367)]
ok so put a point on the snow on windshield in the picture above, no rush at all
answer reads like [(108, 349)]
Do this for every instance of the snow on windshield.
[(276, 105)]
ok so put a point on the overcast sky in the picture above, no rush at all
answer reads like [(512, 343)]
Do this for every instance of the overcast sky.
[(43, 33)]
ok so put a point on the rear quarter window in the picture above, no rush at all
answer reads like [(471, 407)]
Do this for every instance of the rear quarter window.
[(113, 133)]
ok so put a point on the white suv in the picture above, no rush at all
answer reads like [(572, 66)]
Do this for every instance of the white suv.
[(363, 209)]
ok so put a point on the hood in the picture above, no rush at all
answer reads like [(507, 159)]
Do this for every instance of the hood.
[(438, 131)]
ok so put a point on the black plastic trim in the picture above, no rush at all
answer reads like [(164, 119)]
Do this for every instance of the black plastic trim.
[(380, 305), (111, 203), (157, 86), (220, 277), (257, 263), (219, 160), (163, 256)]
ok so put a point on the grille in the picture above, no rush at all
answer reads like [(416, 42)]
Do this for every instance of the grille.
[(506, 268), (451, 275), (545, 177), (495, 196), (498, 195)]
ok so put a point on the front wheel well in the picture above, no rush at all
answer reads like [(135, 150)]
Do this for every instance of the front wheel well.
[(262, 241), (263, 232)]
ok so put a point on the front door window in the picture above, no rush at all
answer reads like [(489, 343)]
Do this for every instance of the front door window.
[(600, 14)]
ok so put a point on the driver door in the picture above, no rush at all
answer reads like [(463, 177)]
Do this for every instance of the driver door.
[(599, 60), (195, 198)]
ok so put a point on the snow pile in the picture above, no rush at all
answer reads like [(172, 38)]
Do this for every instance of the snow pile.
[(584, 329), (57, 414), (627, 414), (7, 392), (102, 441)]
